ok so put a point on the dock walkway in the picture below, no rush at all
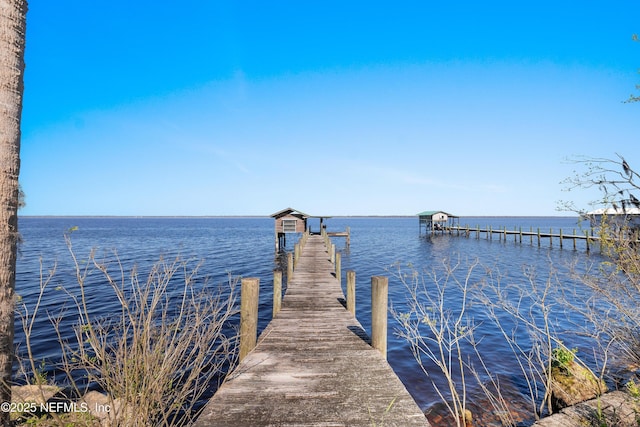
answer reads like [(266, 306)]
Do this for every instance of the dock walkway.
[(313, 364)]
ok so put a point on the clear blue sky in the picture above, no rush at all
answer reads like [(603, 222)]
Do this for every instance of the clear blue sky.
[(334, 108)]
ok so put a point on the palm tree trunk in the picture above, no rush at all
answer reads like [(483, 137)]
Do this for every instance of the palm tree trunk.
[(12, 41)]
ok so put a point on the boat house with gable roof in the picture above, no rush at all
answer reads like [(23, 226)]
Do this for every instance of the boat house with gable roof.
[(288, 221), (436, 221), (616, 216)]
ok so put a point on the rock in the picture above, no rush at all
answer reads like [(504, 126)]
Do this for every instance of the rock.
[(616, 408), (467, 420), (98, 404), (573, 384), (33, 393)]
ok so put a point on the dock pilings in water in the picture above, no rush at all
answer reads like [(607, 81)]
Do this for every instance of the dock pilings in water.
[(503, 234)]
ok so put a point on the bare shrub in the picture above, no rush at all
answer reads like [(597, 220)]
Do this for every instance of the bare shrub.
[(438, 322), (437, 334), (154, 358)]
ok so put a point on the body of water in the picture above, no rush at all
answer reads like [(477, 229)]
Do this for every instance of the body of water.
[(245, 247)]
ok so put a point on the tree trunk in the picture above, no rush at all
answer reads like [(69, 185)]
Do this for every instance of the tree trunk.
[(12, 41)]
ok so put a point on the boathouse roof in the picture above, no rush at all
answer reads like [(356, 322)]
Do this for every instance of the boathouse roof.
[(432, 213), (615, 211), (289, 211)]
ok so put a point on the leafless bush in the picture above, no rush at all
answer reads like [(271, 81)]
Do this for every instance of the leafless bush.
[(163, 349), (438, 324)]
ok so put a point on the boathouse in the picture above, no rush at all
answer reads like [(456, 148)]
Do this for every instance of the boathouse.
[(288, 221), (433, 221), (617, 216)]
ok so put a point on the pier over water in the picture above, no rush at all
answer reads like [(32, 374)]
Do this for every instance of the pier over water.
[(313, 365)]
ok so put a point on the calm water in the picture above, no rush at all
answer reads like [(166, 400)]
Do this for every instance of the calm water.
[(245, 247)]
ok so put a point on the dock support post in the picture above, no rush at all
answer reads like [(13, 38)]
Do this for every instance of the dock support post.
[(289, 266), (333, 253), (339, 267), (348, 237), (277, 291), (248, 315), (586, 238), (351, 291), (379, 301)]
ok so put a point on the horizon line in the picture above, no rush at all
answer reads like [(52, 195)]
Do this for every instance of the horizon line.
[(269, 216)]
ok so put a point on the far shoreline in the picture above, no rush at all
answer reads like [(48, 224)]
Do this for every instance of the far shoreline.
[(328, 217)]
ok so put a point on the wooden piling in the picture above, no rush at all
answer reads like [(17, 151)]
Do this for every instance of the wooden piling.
[(379, 302), (249, 292), (289, 266), (531, 236), (277, 291), (339, 267), (586, 235), (351, 291)]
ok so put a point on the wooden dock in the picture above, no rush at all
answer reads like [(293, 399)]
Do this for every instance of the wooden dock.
[(313, 365), (520, 236)]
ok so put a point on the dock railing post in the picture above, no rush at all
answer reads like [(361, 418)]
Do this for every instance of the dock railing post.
[(586, 238), (289, 266), (339, 267), (351, 291), (379, 301), (249, 290), (277, 291)]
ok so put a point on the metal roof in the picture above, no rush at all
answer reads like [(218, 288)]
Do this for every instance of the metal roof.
[(432, 213), (288, 211), (615, 211)]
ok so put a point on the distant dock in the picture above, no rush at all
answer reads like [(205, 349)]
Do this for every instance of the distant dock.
[(520, 236), (314, 365)]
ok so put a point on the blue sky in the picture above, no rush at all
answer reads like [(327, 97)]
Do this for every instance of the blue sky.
[(333, 108)]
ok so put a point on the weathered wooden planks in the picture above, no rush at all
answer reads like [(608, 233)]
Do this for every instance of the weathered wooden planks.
[(313, 365)]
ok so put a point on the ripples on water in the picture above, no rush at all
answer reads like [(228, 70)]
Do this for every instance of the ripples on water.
[(245, 247)]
